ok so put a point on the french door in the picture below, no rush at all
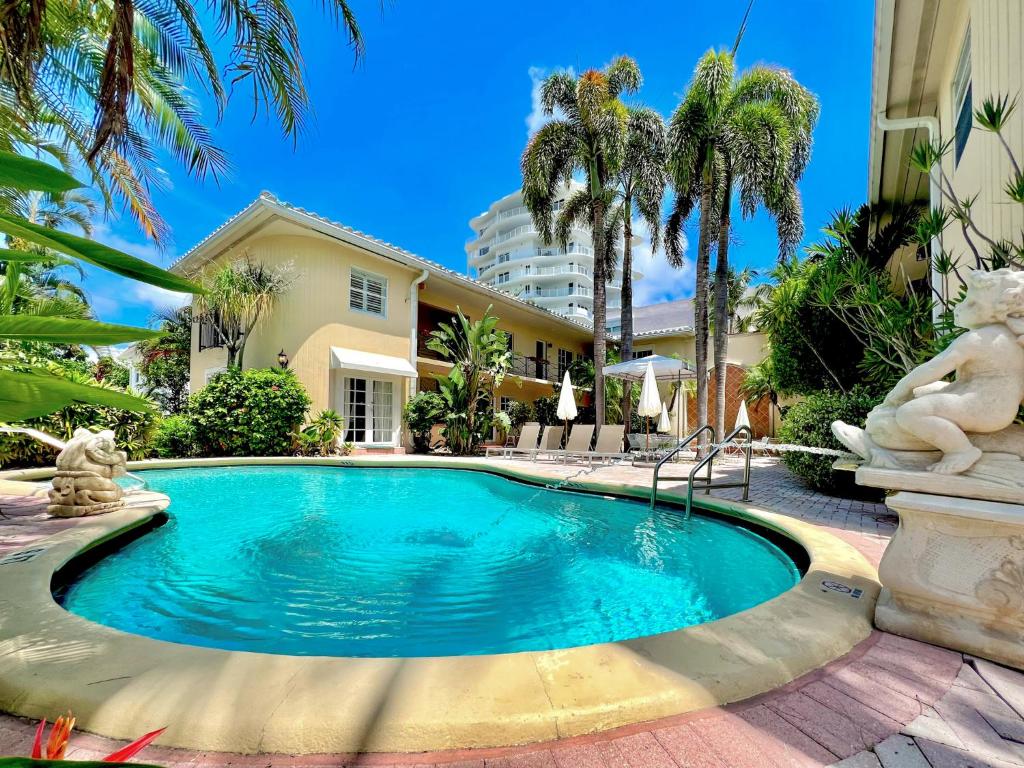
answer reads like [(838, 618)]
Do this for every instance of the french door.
[(369, 411)]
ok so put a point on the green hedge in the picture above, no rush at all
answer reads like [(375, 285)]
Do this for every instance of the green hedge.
[(809, 422), (250, 413)]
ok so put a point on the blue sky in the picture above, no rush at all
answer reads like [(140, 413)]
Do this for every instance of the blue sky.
[(428, 130)]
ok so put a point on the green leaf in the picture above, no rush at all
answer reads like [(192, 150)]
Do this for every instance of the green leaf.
[(25, 257), (25, 395), (28, 762), (95, 253), (64, 330), (28, 175)]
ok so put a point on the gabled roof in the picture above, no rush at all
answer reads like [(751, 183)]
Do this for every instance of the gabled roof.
[(267, 207)]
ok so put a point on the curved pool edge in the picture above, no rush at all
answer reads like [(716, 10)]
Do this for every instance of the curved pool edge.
[(120, 685)]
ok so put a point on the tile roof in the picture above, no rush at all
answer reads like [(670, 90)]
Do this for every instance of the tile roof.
[(664, 317)]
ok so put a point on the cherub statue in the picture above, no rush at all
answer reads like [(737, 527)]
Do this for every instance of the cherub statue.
[(86, 468), (965, 417)]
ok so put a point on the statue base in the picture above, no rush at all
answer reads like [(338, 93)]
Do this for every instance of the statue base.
[(77, 510), (953, 575)]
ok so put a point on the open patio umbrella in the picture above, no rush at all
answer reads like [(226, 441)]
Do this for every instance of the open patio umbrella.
[(566, 404), (650, 400), (742, 419), (663, 423), (665, 369)]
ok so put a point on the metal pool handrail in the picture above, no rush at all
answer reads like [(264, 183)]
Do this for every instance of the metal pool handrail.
[(685, 442), (708, 485)]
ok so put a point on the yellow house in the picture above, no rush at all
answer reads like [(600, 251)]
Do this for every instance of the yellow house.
[(355, 319), (935, 61)]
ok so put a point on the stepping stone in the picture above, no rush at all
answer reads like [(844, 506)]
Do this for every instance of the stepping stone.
[(942, 756), (1008, 683), (933, 728), (864, 759), (900, 752)]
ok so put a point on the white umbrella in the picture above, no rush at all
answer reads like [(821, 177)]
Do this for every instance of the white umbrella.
[(650, 400), (566, 403), (663, 424), (742, 419)]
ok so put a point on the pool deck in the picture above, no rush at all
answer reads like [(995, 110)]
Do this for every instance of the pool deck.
[(888, 702)]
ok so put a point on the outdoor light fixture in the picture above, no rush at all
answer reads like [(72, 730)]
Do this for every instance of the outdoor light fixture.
[(282, 360)]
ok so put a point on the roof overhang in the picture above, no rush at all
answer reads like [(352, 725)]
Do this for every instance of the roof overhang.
[(906, 77)]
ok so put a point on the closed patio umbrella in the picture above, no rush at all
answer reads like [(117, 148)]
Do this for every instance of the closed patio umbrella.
[(742, 419), (566, 404), (663, 423), (650, 400)]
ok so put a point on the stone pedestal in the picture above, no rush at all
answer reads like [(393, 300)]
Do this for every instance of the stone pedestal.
[(953, 575)]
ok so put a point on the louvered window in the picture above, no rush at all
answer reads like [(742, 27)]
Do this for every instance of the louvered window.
[(368, 293)]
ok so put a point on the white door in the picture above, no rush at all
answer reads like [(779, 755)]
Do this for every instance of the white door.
[(369, 411)]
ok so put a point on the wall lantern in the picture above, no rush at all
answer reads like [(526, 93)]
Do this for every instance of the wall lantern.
[(282, 360)]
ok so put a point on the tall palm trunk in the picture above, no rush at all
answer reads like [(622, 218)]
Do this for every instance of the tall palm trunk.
[(600, 308), (722, 306), (700, 306), (627, 309)]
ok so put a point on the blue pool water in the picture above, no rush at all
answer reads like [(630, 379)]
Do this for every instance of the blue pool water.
[(416, 562)]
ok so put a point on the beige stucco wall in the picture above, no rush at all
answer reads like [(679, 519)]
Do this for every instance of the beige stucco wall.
[(314, 315), (997, 68), (745, 349)]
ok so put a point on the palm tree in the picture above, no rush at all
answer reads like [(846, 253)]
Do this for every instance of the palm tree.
[(754, 131), (108, 82), (639, 188), (738, 299), (238, 296), (589, 138)]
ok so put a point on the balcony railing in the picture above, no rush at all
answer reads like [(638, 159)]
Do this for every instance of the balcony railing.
[(567, 269), (519, 210), (577, 290), (532, 367)]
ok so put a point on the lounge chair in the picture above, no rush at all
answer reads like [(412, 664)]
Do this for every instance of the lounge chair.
[(527, 442), (578, 443), (549, 440), (608, 445)]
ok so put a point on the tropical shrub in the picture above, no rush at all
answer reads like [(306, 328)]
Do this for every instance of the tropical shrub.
[(546, 410), (112, 372), (248, 413), (480, 359), (133, 430), (519, 413), (502, 425), (175, 438), (421, 413), (165, 361), (320, 437), (809, 423)]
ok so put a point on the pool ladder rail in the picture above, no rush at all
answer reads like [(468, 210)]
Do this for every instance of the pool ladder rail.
[(707, 461)]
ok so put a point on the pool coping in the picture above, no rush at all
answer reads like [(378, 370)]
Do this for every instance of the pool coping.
[(120, 685)]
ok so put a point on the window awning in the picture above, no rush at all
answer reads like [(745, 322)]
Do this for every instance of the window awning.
[(371, 362)]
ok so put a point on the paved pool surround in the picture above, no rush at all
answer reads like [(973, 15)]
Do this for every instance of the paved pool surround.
[(120, 685)]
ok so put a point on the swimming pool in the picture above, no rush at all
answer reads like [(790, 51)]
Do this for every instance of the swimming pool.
[(401, 562)]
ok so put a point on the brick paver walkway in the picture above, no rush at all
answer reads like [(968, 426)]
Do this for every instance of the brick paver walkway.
[(891, 703)]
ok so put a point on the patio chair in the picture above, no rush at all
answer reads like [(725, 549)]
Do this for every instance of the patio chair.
[(578, 443), (608, 445), (527, 442)]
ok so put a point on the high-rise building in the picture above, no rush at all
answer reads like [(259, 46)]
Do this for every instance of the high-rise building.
[(506, 251)]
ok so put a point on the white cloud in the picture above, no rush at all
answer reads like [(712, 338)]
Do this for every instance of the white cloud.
[(661, 281), (537, 119), (111, 296)]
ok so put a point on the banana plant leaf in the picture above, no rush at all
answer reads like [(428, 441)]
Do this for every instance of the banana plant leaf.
[(64, 330), (28, 394), (28, 762), (95, 253), (28, 175), (26, 257)]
